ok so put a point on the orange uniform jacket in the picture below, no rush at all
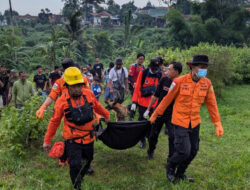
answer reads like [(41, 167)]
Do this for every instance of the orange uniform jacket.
[(189, 96), (137, 98), (69, 133), (59, 88)]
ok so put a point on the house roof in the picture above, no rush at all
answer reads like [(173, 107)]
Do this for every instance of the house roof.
[(101, 14), (157, 12), (27, 16)]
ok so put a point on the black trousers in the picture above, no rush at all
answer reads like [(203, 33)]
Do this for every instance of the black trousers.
[(155, 131), (131, 88), (186, 146), (141, 111), (79, 158)]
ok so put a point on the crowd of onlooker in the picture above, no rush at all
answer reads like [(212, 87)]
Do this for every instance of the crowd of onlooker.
[(15, 87)]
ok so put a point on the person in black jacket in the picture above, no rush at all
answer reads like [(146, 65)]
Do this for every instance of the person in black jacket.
[(174, 69)]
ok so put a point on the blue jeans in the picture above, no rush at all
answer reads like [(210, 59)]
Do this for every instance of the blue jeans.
[(107, 94)]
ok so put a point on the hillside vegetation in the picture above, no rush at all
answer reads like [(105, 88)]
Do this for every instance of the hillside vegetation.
[(220, 164)]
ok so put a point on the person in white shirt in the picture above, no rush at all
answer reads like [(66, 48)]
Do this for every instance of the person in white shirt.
[(118, 81)]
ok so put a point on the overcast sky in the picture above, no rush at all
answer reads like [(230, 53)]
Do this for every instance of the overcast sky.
[(33, 7)]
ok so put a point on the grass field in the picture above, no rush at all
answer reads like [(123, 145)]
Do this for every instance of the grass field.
[(220, 164)]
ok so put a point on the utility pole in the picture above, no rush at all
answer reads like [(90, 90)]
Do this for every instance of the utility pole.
[(13, 31)]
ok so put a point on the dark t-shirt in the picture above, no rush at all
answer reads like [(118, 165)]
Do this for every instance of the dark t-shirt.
[(92, 71), (98, 69), (4, 79), (54, 76), (161, 91), (40, 81)]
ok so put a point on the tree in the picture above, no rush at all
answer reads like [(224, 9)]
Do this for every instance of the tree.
[(11, 50), (213, 27), (107, 23), (70, 6), (76, 46), (1, 17), (113, 8), (124, 9), (103, 45), (198, 30), (87, 3), (169, 2), (130, 31), (43, 16), (184, 6), (74, 25), (178, 30), (8, 15)]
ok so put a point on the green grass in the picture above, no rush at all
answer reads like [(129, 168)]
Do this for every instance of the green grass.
[(220, 164)]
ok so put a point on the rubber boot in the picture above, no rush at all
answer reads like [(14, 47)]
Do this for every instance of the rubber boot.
[(170, 171), (142, 143), (180, 175), (90, 171), (150, 155)]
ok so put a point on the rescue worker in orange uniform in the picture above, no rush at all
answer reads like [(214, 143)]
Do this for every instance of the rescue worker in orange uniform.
[(77, 108), (189, 92), (58, 88), (145, 87)]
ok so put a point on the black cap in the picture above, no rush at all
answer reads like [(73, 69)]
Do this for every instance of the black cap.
[(199, 59), (154, 63), (67, 62), (118, 61)]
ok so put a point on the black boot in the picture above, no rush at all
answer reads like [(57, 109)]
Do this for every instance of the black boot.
[(184, 177), (180, 175), (77, 185), (90, 171), (170, 172), (150, 155), (142, 143)]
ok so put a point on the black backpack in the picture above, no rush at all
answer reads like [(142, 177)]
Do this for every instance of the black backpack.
[(149, 90)]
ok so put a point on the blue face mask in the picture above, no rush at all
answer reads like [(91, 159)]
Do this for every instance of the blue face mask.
[(202, 73)]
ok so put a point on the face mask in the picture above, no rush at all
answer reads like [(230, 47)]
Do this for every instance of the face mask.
[(201, 73), (153, 71)]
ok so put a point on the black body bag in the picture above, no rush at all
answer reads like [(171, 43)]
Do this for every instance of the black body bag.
[(81, 114), (124, 134)]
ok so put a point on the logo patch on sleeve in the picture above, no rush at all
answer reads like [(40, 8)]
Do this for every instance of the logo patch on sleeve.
[(165, 88), (55, 86), (172, 86), (212, 88)]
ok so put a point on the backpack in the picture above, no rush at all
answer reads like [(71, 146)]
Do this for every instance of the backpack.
[(145, 73), (149, 90)]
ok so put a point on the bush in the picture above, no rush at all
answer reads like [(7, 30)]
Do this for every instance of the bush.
[(230, 64), (20, 128), (241, 63)]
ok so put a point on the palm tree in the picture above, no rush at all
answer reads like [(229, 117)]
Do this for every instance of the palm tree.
[(130, 31), (12, 26), (76, 45), (86, 3), (74, 25)]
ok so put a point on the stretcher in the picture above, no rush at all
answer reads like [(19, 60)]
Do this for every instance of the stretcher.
[(123, 134)]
